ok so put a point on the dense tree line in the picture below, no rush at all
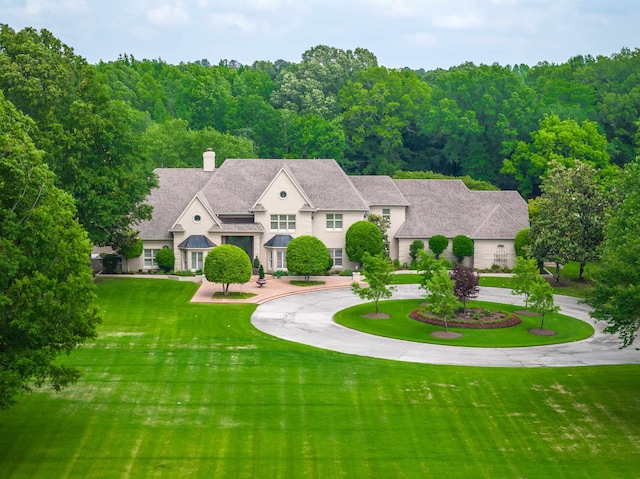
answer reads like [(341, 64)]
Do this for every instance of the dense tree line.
[(466, 120)]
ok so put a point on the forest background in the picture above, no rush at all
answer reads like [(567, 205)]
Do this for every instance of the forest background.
[(104, 127)]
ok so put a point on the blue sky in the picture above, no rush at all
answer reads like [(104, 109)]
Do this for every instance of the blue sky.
[(415, 33)]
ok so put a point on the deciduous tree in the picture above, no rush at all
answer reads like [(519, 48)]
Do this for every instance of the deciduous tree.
[(308, 255), (465, 284), (227, 264), (363, 236), (542, 301), (437, 244), (615, 297), (46, 286), (378, 272), (441, 298), (570, 222), (525, 276), (462, 247)]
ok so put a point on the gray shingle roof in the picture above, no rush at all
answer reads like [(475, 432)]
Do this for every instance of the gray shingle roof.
[(238, 184), (449, 208), (176, 188), (379, 191)]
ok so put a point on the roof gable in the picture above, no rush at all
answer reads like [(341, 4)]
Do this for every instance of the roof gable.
[(449, 208), (289, 178)]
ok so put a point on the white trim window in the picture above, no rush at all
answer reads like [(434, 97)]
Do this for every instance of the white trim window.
[(150, 258), (283, 223), (336, 256), (280, 259), (334, 221), (196, 260), (386, 214)]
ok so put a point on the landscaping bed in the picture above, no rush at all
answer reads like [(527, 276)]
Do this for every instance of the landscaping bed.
[(473, 318)]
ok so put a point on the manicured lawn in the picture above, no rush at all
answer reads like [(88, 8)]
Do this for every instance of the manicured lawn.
[(400, 326), (172, 389)]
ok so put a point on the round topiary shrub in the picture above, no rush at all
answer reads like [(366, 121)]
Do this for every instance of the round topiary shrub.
[(227, 264), (165, 259), (523, 243), (363, 236), (307, 255), (462, 246), (437, 244)]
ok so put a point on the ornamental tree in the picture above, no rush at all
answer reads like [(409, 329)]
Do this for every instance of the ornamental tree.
[(462, 246), (542, 300), (132, 249), (378, 272), (525, 275), (441, 297), (47, 293), (438, 244), (465, 284), (615, 297), (428, 266), (227, 264), (308, 255), (363, 236)]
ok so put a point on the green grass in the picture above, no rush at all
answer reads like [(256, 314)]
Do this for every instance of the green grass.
[(400, 326), (233, 295), (172, 389), (406, 278), (296, 282)]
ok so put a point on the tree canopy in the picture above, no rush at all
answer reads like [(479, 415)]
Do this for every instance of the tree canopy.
[(46, 287), (227, 264), (89, 139), (308, 255), (569, 225), (615, 298), (363, 237)]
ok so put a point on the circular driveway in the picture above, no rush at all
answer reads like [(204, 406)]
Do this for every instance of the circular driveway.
[(307, 318)]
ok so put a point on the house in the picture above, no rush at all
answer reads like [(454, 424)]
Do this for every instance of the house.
[(260, 205)]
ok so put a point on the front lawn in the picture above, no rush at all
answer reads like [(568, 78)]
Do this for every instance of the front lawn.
[(173, 389), (400, 326)]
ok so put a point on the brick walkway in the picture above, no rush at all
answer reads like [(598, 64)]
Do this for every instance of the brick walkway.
[(275, 288)]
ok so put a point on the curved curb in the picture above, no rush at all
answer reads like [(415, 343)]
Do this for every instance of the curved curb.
[(307, 318)]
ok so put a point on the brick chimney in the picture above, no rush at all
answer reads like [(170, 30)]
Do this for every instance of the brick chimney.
[(209, 160)]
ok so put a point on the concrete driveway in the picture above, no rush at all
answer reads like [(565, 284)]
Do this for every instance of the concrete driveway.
[(308, 319)]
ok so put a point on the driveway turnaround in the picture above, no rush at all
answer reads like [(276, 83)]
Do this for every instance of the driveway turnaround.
[(307, 318)]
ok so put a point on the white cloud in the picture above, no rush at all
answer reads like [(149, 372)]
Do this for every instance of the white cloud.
[(64, 7), (233, 21), (168, 15), (422, 39), (460, 21)]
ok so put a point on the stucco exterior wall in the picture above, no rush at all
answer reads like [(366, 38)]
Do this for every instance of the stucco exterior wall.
[(490, 252)]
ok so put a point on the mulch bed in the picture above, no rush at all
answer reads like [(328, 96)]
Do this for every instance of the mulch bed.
[(497, 319)]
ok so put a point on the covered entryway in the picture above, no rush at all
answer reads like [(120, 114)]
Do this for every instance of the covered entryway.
[(243, 242)]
